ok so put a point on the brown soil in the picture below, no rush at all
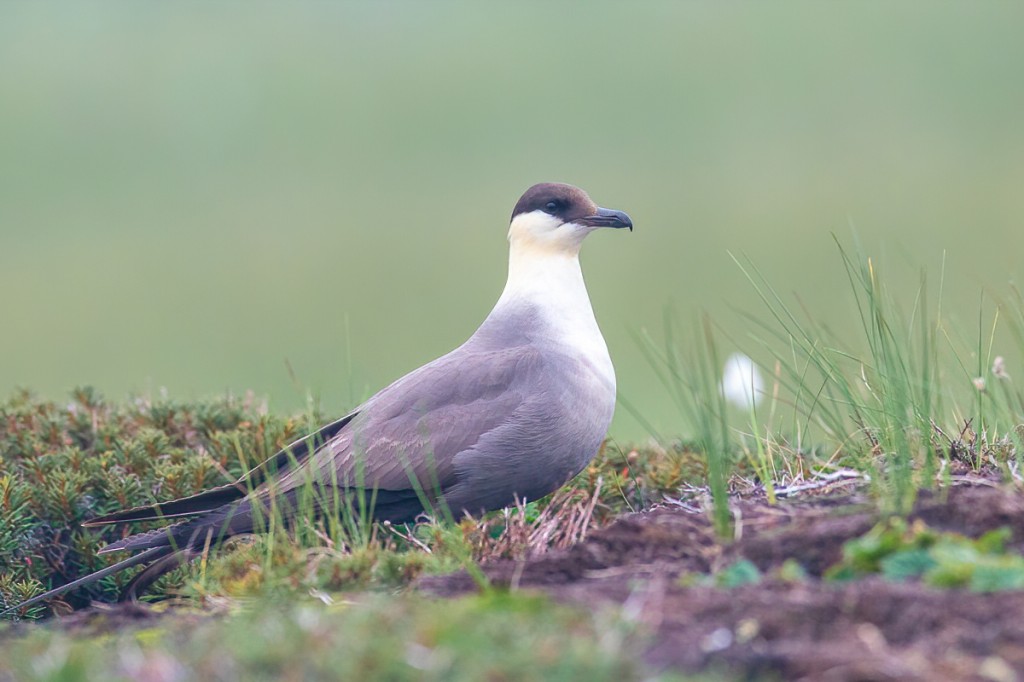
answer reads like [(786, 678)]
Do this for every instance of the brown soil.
[(868, 630)]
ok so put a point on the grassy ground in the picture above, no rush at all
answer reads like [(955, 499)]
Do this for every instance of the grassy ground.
[(910, 408)]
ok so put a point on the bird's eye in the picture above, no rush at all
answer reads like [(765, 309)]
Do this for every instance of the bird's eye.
[(551, 207)]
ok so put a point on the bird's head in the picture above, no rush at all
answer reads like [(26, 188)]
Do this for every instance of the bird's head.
[(555, 218)]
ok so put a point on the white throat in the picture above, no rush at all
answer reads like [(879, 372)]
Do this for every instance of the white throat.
[(551, 282)]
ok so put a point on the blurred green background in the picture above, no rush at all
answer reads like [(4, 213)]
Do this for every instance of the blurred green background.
[(197, 196)]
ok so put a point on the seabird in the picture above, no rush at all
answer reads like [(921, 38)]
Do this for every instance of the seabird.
[(513, 413)]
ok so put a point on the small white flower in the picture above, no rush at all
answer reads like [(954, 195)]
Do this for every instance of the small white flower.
[(979, 383), (742, 384), (999, 368)]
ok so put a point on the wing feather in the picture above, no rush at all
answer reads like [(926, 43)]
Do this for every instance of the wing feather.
[(409, 434)]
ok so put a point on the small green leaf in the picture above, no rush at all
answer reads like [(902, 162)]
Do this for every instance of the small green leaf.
[(740, 573), (791, 571), (841, 573), (1006, 573), (863, 554), (907, 564), (994, 541)]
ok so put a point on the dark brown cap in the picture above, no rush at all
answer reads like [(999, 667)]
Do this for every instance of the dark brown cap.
[(557, 199), (570, 204)]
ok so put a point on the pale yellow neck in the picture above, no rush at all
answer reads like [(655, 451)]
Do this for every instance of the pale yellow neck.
[(552, 277), (552, 284)]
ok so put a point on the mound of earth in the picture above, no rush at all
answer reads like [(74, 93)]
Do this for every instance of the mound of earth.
[(871, 629)]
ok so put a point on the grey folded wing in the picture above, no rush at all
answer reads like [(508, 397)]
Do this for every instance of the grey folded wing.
[(420, 433)]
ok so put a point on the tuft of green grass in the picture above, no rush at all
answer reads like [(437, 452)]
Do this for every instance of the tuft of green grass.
[(906, 401), (908, 397), (875, 400), (691, 379)]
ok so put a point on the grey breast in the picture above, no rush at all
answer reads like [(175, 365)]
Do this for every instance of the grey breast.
[(562, 416)]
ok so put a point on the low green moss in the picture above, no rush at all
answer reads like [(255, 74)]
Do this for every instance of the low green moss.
[(63, 463), (496, 636), (898, 550)]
